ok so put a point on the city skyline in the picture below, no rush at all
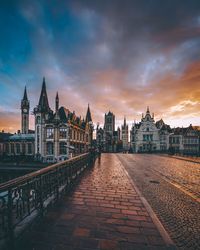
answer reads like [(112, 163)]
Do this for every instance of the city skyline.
[(114, 56)]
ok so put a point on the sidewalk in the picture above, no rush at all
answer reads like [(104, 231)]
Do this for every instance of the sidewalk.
[(104, 212)]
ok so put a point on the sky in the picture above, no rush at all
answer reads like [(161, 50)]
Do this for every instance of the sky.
[(115, 55)]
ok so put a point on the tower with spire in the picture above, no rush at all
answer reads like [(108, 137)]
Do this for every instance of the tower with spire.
[(25, 106), (42, 114), (125, 135)]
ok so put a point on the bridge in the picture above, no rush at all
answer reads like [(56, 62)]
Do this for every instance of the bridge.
[(81, 203)]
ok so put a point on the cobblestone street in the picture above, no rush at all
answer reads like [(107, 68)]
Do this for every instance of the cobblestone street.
[(172, 187), (105, 211)]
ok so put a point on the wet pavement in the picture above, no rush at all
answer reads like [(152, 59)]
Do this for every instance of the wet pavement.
[(172, 188), (105, 211)]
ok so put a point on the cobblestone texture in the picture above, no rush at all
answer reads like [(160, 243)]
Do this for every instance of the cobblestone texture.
[(104, 212), (172, 187)]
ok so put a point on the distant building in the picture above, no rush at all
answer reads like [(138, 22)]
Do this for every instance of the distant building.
[(148, 136), (107, 138), (22, 143), (124, 135), (185, 140)]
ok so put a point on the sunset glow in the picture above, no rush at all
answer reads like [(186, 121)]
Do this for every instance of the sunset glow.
[(115, 55)]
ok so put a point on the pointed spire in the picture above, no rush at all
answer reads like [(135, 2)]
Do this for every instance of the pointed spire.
[(25, 95), (148, 109), (43, 102), (88, 115), (124, 120), (57, 102)]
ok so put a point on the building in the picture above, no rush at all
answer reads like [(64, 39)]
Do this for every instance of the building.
[(3, 142), (107, 138), (23, 143), (148, 136), (124, 137), (60, 134), (185, 140)]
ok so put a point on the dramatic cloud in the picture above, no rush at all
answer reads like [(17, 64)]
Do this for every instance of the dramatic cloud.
[(116, 55)]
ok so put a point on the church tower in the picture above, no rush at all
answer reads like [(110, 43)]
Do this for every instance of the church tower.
[(25, 113), (42, 114)]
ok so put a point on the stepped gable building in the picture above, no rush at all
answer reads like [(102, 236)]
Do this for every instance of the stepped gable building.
[(22, 143), (124, 133), (60, 134), (148, 136)]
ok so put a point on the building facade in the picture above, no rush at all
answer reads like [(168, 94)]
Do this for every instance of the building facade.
[(61, 134), (148, 136), (124, 136), (23, 142)]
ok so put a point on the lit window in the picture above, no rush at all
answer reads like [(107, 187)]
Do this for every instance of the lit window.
[(49, 133), (63, 133)]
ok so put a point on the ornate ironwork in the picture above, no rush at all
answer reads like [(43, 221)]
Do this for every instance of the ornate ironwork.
[(24, 198)]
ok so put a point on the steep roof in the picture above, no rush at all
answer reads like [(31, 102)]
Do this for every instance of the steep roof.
[(25, 98), (43, 101), (88, 115)]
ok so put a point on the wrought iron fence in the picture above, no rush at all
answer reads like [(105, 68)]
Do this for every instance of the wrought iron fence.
[(24, 198)]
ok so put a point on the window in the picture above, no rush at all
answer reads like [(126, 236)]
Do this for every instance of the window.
[(12, 149), (148, 129), (17, 148), (50, 148), (49, 133), (38, 119), (29, 148), (62, 148), (23, 148), (63, 133)]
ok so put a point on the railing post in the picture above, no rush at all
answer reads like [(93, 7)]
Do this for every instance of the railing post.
[(41, 197), (11, 243), (57, 183)]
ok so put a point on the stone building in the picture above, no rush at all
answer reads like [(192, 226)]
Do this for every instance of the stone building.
[(60, 134), (185, 140), (107, 138), (124, 136), (148, 136), (22, 143)]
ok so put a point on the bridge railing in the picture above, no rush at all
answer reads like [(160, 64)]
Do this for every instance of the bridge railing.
[(24, 198)]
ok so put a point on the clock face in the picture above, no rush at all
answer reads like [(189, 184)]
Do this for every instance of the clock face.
[(25, 110)]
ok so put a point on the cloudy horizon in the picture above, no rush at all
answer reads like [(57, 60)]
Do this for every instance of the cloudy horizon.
[(120, 56)]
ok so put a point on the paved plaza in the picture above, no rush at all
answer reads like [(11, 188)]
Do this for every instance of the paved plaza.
[(105, 211)]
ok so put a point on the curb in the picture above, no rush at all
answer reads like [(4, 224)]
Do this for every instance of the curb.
[(164, 234), (182, 159)]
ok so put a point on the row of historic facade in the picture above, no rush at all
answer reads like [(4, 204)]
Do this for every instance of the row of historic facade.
[(61, 134), (58, 134), (147, 136)]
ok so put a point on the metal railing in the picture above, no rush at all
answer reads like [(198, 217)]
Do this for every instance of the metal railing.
[(24, 198)]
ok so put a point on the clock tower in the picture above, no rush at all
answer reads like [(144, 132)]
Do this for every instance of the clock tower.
[(25, 113)]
